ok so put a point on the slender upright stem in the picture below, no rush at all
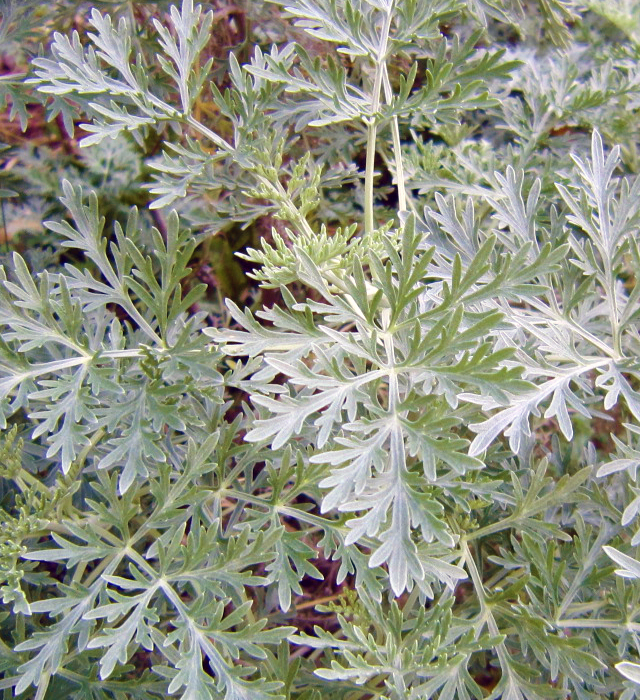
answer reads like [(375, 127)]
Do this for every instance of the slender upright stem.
[(397, 153), (492, 625), (368, 176), (614, 312), (372, 125)]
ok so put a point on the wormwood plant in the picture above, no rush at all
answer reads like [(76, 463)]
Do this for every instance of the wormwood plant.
[(415, 415)]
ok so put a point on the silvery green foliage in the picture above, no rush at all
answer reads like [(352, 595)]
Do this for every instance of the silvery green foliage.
[(179, 485)]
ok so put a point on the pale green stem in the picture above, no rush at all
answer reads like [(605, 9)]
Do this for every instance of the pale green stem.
[(79, 572), (43, 684), (301, 515), (311, 519), (372, 126), (298, 219), (25, 477), (607, 253), (368, 176), (504, 524), (336, 282), (142, 563), (101, 566), (84, 359), (589, 607), (613, 306), (575, 586), (131, 309), (538, 506), (492, 625), (397, 153), (598, 624), (211, 135), (561, 320)]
